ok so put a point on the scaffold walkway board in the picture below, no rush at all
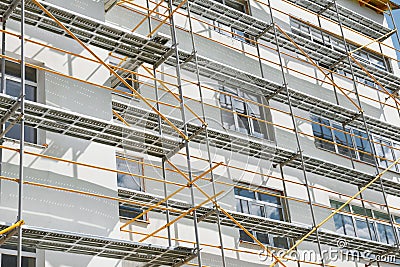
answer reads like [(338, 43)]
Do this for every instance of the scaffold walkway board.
[(90, 128), (230, 76), (101, 33), (142, 136), (324, 55), (257, 223), (258, 148), (93, 32), (349, 18), (147, 254)]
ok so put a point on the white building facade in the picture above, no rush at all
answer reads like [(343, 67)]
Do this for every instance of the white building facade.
[(202, 133)]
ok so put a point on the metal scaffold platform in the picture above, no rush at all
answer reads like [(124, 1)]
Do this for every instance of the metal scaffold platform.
[(261, 224), (143, 128), (77, 243)]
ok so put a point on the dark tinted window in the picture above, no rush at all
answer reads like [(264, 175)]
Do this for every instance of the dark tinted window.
[(10, 261)]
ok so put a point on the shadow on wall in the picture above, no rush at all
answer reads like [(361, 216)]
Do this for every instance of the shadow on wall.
[(55, 209)]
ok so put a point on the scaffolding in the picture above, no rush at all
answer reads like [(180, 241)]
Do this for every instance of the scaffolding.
[(147, 130)]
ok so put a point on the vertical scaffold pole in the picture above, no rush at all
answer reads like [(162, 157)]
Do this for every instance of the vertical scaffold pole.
[(300, 152), (398, 42), (374, 154), (22, 133), (206, 135), (185, 130), (160, 132), (3, 84)]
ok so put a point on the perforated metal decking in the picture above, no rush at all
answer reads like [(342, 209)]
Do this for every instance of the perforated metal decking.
[(260, 148), (350, 19), (94, 32), (324, 55), (63, 241), (142, 137), (230, 76), (261, 224), (140, 49)]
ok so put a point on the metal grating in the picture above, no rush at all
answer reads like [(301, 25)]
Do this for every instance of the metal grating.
[(325, 56), (230, 76), (97, 33), (261, 148), (260, 224), (89, 128), (349, 18), (147, 254), (122, 41)]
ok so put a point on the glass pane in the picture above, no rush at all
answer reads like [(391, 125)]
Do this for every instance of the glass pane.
[(362, 229), (384, 152), (14, 69), (382, 216), (337, 218), (238, 205), (344, 141), (130, 212), (245, 206), (126, 180), (363, 145), (385, 233), (281, 242), (337, 204), (228, 120), (239, 106), (323, 133), (263, 238), (269, 198), (257, 210), (397, 154), (245, 237), (30, 134), (245, 193), (348, 224), (373, 231), (243, 124), (361, 211), (273, 213), (235, 5), (11, 260), (13, 88)]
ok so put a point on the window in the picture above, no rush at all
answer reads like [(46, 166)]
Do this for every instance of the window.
[(224, 29), (133, 81), (353, 142), (11, 260), (131, 78), (318, 36), (323, 133), (13, 88), (243, 116), (262, 205), (354, 223), (131, 181)]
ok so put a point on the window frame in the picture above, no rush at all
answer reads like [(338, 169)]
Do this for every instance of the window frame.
[(354, 135), (250, 202), (371, 220), (12, 252), (236, 96), (370, 58), (232, 32), (9, 77), (144, 218)]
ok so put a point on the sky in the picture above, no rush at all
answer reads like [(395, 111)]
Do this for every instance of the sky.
[(396, 15)]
